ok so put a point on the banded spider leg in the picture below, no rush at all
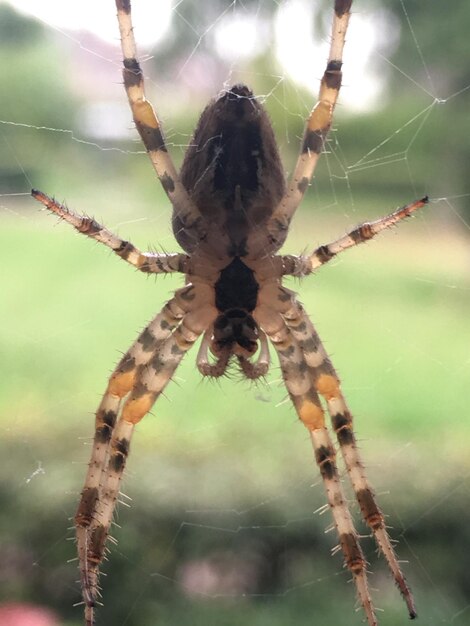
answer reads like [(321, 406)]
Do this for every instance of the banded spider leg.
[(138, 380), (148, 262), (299, 383), (304, 265), (150, 129), (327, 384), (317, 125), (308, 373)]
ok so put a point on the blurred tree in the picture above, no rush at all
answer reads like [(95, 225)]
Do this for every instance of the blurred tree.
[(440, 148), (435, 54), (438, 49), (34, 68), (427, 74)]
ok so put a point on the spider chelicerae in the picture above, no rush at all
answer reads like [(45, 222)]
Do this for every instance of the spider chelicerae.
[(231, 214)]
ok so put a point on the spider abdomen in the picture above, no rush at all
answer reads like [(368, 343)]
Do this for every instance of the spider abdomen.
[(232, 171)]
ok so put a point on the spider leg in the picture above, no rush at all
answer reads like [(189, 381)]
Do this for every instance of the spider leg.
[(149, 126), (327, 384), (143, 261), (308, 407), (303, 265), (143, 373), (317, 124), (120, 383)]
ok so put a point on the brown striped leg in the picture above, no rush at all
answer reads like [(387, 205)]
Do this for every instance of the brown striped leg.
[(327, 383), (317, 125), (143, 261), (123, 380), (120, 383), (303, 265), (149, 126), (307, 404), (150, 382)]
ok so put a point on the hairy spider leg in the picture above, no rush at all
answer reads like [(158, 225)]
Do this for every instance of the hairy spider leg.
[(151, 381), (317, 124), (143, 373), (148, 262), (308, 407), (303, 265), (327, 384), (120, 384), (149, 127)]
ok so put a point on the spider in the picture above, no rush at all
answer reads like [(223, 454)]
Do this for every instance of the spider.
[(231, 214)]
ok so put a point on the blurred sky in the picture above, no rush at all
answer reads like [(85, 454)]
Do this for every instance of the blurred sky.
[(300, 51)]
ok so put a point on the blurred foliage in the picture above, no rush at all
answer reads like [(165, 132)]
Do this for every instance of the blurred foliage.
[(441, 150), (33, 71), (435, 53), (439, 45), (222, 477), (17, 31)]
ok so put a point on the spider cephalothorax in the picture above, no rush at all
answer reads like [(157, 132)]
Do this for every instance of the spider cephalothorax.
[(236, 294), (231, 214)]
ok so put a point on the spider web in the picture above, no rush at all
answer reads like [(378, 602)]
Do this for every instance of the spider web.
[(225, 523)]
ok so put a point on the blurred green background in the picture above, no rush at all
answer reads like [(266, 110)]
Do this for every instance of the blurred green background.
[(221, 528)]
